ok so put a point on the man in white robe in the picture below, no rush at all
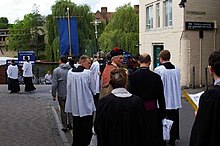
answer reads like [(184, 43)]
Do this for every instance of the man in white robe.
[(95, 68), (170, 76), (12, 73), (28, 74), (79, 102)]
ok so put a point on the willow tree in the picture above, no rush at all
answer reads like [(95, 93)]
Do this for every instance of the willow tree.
[(85, 29), (122, 30)]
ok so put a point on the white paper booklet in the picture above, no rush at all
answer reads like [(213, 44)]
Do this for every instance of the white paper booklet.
[(195, 97)]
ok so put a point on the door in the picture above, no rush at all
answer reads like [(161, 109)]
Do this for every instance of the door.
[(157, 49)]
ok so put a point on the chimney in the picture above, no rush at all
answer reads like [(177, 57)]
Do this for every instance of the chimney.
[(104, 10), (136, 8)]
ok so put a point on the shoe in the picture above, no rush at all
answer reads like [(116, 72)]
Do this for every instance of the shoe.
[(172, 143), (69, 126), (64, 129)]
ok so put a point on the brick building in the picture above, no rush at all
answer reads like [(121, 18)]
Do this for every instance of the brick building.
[(4, 34), (104, 15), (189, 29)]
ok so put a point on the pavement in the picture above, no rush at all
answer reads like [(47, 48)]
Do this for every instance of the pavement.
[(33, 119), (30, 118)]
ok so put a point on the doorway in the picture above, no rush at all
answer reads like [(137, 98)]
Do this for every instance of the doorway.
[(156, 52)]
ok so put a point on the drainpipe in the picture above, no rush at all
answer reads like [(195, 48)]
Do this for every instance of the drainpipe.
[(215, 31), (200, 57)]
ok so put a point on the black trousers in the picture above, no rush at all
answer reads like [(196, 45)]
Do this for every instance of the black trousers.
[(82, 130), (13, 85), (66, 118), (174, 116), (28, 84)]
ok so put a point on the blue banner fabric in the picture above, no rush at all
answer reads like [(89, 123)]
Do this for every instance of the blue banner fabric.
[(64, 37), (74, 36)]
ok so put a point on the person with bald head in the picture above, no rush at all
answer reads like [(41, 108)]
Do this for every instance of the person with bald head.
[(79, 101), (148, 85)]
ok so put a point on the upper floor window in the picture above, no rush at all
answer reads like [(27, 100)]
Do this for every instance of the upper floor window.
[(168, 20), (149, 15), (158, 14)]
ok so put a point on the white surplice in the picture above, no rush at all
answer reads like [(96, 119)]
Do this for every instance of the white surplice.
[(12, 71), (95, 68), (27, 69), (171, 84), (80, 90)]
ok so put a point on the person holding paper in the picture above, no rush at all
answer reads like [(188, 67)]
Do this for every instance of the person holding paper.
[(206, 127), (170, 76)]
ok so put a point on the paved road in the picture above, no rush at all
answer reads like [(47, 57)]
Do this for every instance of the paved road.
[(27, 119)]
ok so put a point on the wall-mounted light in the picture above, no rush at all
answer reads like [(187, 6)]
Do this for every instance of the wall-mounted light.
[(182, 4)]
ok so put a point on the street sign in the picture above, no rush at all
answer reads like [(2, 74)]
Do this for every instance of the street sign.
[(199, 25), (29, 54)]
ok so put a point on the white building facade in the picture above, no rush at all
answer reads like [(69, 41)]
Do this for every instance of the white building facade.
[(190, 33)]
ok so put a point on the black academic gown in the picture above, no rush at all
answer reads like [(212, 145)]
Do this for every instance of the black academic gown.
[(148, 86), (206, 128), (121, 122)]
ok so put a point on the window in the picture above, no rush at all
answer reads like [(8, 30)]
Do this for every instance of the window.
[(168, 21), (149, 15), (158, 14)]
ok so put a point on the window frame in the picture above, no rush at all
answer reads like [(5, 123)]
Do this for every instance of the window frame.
[(149, 17), (168, 13)]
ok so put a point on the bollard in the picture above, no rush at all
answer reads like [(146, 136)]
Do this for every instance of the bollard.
[(194, 75), (38, 75), (206, 78)]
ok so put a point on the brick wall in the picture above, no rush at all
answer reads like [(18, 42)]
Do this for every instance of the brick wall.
[(3, 74)]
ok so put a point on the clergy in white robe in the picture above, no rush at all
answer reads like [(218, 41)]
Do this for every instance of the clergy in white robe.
[(12, 73), (27, 74), (79, 102), (170, 76), (95, 68)]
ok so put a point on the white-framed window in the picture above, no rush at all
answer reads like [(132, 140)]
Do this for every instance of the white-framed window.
[(149, 17), (168, 16), (158, 14)]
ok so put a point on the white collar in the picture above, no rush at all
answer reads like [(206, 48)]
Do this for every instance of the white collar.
[(121, 92), (217, 81)]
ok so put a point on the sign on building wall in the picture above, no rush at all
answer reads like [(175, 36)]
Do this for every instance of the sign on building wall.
[(199, 25), (29, 54)]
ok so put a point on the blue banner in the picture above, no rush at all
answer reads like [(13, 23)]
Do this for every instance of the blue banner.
[(64, 36)]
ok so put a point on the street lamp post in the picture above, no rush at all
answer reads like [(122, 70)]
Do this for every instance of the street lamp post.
[(96, 23), (69, 36)]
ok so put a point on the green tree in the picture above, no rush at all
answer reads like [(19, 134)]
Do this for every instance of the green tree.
[(4, 23), (27, 34), (121, 31), (85, 28)]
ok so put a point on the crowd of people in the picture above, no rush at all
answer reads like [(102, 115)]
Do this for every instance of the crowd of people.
[(124, 106), (127, 107)]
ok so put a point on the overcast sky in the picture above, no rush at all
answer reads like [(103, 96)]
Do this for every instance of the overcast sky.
[(16, 9)]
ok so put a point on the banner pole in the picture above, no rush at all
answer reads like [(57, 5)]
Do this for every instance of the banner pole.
[(69, 35)]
